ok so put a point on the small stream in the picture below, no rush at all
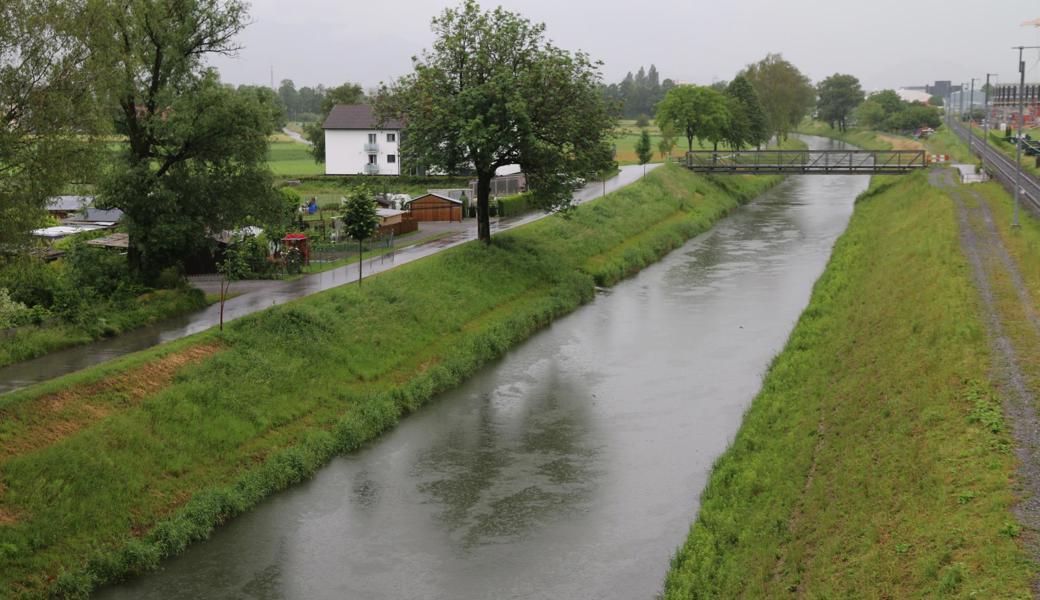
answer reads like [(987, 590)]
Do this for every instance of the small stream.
[(569, 468)]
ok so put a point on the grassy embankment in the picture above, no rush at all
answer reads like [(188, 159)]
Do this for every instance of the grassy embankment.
[(107, 471), (864, 138), (875, 461)]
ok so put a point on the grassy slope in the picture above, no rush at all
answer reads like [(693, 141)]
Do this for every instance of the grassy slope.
[(110, 469), (873, 463), (29, 342), (863, 138)]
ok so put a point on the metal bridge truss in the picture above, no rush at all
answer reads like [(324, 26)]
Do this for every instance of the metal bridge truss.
[(836, 162)]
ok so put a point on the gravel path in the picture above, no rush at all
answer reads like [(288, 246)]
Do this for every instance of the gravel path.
[(989, 260)]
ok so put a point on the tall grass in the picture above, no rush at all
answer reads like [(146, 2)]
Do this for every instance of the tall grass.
[(135, 462), (874, 462)]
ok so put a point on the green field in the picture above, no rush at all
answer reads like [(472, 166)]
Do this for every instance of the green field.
[(292, 159), (145, 454), (875, 461)]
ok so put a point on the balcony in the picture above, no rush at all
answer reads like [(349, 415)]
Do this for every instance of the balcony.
[(371, 147), (371, 169)]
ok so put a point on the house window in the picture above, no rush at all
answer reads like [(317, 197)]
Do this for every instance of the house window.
[(391, 158), (391, 137), (372, 159), (371, 138)]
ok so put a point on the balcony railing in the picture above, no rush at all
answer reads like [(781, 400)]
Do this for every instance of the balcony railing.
[(371, 169), (371, 147)]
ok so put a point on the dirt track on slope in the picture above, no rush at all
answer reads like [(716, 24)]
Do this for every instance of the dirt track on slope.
[(999, 281)]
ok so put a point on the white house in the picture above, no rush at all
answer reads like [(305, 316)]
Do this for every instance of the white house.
[(355, 144)]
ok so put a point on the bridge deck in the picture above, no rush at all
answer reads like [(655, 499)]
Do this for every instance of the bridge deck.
[(836, 162)]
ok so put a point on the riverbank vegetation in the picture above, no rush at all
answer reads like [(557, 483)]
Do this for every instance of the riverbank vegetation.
[(108, 470), (87, 295), (875, 460)]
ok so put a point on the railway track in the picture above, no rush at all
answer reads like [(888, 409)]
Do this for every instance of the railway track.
[(1002, 167)]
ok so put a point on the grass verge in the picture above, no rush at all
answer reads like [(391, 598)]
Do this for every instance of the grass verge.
[(875, 461), (863, 138), (109, 470)]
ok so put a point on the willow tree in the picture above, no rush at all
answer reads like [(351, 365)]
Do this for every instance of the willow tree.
[(786, 94), (493, 91), (47, 112), (195, 162)]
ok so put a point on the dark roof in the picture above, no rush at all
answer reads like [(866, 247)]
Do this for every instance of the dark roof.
[(357, 116), (68, 203), (96, 215), (434, 195)]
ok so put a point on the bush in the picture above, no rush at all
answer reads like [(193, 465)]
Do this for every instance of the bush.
[(12, 313), (170, 278), (100, 270), (511, 206), (642, 121), (31, 282)]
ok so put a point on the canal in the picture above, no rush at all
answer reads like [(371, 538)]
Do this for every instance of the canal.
[(569, 468)]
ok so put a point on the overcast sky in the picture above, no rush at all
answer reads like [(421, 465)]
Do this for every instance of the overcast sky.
[(886, 43)]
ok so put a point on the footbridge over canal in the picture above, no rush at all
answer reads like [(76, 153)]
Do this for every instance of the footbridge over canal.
[(821, 162)]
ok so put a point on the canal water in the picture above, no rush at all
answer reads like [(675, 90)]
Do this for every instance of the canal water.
[(569, 468)]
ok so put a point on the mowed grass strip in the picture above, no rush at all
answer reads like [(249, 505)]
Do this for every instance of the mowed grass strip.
[(875, 462), (147, 470)]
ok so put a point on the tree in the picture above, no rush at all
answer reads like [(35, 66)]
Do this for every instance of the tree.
[(348, 93), (360, 219), (195, 161), (786, 94), (494, 91), (749, 124), (838, 95), (271, 101), (232, 267), (290, 98), (644, 150), (638, 94), (667, 143), (698, 112), (48, 113)]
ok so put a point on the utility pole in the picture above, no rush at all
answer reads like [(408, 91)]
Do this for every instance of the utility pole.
[(971, 111), (960, 98), (1021, 125), (985, 109)]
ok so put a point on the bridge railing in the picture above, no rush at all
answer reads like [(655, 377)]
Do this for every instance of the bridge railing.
[(805, 161)]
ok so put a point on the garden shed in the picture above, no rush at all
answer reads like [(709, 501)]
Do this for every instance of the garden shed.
[(435, 207)]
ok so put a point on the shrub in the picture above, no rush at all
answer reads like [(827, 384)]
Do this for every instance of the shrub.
[(169, 278), (12, 312), (642, 121), (511, 206)]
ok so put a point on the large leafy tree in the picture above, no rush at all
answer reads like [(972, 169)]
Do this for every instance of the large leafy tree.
[(696, 111), (494, 91), (348, 93), (196, 158), (838, 95), (749, 124), (48, 114), (786, 94)]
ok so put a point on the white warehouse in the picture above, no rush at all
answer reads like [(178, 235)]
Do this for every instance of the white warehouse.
[(356, 145)]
